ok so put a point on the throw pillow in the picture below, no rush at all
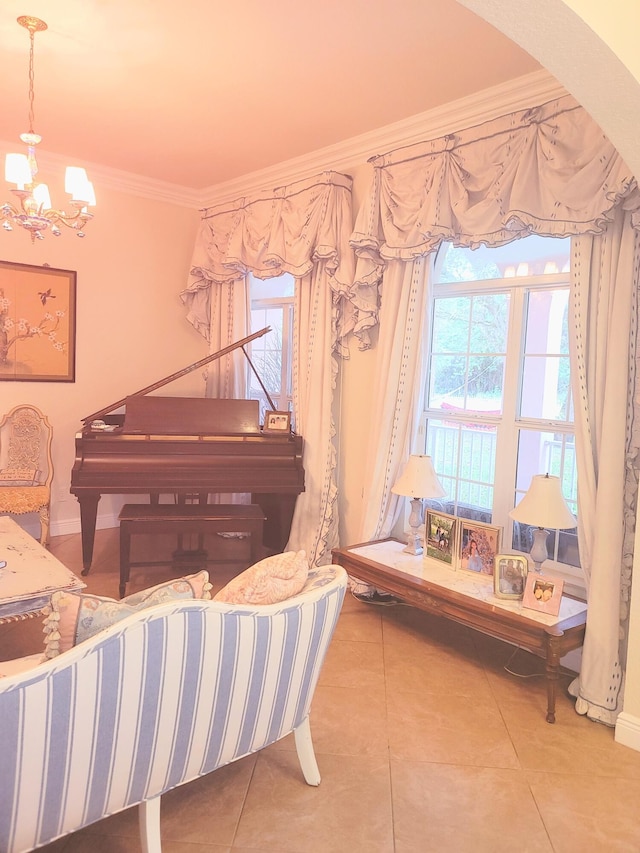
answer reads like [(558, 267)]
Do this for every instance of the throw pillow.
[(271, 580), (74, 616)]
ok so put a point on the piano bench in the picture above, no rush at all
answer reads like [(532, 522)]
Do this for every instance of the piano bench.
[(187, 518)]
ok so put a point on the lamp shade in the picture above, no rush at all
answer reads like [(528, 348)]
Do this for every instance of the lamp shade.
[(79, 186), (41, 195), (17, 171), (544, 505), (418, 479)]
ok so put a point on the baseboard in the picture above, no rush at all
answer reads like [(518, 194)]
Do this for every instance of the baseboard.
[(72, 525), (628, 730)]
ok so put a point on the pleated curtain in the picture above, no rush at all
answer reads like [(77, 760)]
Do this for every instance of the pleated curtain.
[(302, 229), (547, 170)]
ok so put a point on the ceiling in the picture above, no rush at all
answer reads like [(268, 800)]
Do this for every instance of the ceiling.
[(222, 89)]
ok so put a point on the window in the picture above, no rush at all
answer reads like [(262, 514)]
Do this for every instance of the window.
[(498, 398), (272, 305)]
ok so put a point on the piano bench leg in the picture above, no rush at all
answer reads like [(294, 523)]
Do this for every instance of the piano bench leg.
[(125, 556)]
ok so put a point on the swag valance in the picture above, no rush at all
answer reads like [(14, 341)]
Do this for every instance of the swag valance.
[(548, 170), (288, 229)]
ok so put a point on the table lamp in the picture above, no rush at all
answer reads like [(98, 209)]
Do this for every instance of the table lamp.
[(418, 480), (543, 506)]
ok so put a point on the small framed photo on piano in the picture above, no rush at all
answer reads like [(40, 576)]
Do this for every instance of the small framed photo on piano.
[(277, 422)]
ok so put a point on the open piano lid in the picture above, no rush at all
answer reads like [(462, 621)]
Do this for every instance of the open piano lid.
[(205, 415)]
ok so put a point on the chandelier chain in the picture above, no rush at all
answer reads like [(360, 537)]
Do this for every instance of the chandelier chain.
[(31, 80)]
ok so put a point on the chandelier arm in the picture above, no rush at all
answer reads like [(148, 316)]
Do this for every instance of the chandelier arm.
[(71, 220)]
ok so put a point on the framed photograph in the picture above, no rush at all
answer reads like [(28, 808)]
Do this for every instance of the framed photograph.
[(440, 536), (277, 422), (543, 593), (37, 323), (510, 575), (478, 545)]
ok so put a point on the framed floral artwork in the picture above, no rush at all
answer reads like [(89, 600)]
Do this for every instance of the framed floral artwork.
[(37, 323)]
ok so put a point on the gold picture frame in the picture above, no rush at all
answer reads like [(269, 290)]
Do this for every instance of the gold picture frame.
[(510, 576), (37, 323)]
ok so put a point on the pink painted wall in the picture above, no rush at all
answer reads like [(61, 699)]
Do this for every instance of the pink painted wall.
[(131, 328)]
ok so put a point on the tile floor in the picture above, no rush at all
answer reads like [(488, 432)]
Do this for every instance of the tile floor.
[(424, 742)]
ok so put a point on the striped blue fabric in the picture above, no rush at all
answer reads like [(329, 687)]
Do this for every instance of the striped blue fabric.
[(161, 698)]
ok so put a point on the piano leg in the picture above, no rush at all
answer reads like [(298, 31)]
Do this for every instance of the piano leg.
[(88, 515), (278, 511)]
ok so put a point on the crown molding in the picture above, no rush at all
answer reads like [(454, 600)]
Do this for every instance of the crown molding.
[(116, 179), (150, 188), (526, 91), (523, 92)]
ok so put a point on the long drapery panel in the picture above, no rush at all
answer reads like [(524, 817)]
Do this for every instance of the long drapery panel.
[(397, 396), (302, 229), (547, 170), (315, 521), (604, 272)]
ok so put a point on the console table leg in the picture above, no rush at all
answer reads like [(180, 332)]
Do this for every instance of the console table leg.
[(553, 672)]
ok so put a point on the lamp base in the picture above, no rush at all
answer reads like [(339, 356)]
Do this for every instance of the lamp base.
[(414, 545), (539, 551)]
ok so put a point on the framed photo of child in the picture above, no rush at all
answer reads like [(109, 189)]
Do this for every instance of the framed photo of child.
[(478, 545)]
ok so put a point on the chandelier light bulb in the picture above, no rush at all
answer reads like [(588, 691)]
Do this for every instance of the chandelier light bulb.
[(32, 208)]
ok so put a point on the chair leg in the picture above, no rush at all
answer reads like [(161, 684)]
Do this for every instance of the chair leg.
[(44, 526), (306, 755), (149, 820)]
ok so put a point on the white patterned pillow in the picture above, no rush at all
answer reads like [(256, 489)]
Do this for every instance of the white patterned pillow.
[(271, 580), (74, 616)]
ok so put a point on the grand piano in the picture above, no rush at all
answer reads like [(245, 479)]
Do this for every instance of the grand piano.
[(190, 448)]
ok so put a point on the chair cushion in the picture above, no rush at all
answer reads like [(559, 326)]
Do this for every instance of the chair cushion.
[(271, 580), (21, 499), (75, 616)]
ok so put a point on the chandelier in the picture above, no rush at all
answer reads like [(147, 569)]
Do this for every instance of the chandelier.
[(32, 208)]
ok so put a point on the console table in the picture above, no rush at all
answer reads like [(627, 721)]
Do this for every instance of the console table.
[(468, 598), (31, 574)]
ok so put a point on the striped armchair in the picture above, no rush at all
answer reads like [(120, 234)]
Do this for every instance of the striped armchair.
[(158, 699)]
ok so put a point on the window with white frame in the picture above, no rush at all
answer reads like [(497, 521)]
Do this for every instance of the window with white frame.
[(272, 305), (498, 403)]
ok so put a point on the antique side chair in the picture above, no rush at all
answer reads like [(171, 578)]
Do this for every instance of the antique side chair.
[(26, 465)]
